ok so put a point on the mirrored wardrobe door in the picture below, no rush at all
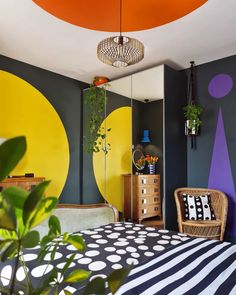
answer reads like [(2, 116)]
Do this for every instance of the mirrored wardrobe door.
[(119, 140), (94, 144), (147, 139), (109, 154)]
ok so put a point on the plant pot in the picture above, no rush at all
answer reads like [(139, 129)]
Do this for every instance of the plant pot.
[(191, 128), (100, 80), (151, 168)]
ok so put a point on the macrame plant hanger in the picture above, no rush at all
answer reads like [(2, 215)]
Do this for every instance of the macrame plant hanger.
[(191, 99)]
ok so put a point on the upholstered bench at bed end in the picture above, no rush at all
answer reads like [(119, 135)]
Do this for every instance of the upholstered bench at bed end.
[(75, 217)]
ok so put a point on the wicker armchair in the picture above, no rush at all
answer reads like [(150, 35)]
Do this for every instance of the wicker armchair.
[(211, 229)]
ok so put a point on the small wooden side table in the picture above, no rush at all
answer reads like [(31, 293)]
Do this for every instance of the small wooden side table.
[(142, 198)]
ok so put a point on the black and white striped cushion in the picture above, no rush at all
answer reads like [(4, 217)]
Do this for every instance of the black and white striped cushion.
[(198, 207)]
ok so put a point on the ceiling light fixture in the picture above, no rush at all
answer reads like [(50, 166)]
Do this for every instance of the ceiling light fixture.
[(120, 51)]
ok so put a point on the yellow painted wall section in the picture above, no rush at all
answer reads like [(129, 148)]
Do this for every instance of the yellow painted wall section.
[(118, 159), (25, 111)]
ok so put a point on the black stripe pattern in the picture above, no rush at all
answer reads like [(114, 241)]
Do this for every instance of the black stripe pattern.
[(196, 267)]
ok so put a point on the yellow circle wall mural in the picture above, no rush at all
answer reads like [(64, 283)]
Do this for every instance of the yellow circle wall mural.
[(117, 160), (25, 111)]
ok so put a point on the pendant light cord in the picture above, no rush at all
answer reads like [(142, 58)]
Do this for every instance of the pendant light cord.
[(120, 17), (120, 41)]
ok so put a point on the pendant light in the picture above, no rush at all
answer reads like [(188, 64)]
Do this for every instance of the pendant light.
[(120, 51)]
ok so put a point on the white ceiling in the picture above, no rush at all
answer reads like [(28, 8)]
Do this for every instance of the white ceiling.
[(31, 35)]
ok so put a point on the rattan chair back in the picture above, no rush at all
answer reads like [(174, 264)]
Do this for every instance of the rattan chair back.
[(212, 229)]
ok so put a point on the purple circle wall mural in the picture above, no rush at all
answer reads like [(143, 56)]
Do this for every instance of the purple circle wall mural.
[(220, 176), (220, 85)]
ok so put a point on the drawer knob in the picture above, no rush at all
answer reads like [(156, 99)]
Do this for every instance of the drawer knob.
[(156, 180), (144, 211), (155, 190), (144, 181), (155, 199), (155, 208), (144, 191), (144, 201)]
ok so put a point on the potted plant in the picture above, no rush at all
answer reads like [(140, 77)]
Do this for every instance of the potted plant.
[(99, 80), (20, 212), (96, 136), (192, 123)]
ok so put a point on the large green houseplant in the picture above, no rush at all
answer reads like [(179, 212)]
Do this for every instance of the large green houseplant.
[(193, 122), (96, 136), (20, 212)]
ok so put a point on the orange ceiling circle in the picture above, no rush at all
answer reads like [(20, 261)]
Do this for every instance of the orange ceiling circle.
[(103, 15)]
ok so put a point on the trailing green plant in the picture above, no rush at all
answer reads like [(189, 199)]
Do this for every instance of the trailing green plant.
[(96, 139), (20, 212), (192, 113)]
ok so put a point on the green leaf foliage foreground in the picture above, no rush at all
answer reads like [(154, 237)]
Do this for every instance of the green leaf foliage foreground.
[(20, 212)]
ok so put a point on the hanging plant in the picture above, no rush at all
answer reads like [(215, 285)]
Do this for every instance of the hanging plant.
[(192, 113), (96, 139)]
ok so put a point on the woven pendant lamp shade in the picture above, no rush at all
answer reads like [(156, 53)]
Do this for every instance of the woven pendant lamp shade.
[(120, 51)]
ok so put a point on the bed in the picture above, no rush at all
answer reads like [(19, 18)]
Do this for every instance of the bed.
[(164, 262)]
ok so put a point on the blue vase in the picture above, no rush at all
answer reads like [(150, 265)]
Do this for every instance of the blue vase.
[(151, 168)]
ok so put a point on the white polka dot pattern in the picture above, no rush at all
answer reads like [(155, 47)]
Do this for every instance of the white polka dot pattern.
[(96, 236), (84, 260), (143, 247), (132, 261), (114, 258), (61, 265), (97, 276), (102, 241), (135, 255), (93, 245), (77, 256), (92, 253), (56, 256), (121, 251), (29, 257), (148, 254), (116, 266), (6, 275), (159, 247), (110, 247), (97, 265), (20, 274), (40, 270)]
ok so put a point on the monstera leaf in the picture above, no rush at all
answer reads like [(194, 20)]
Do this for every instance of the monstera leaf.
[(11, 151)]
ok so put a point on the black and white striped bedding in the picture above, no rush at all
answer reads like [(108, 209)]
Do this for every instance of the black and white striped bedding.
[(165, 262), (196, 267)]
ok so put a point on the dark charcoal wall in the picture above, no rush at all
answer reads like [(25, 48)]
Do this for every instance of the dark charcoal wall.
[(175, 142), (223, 175)]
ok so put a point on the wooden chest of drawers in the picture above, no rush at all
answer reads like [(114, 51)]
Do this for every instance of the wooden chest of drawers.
[(142, 197), (27, 183)]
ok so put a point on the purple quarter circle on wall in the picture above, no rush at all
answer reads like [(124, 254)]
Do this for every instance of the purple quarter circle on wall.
[(220, 176), (220, 85)]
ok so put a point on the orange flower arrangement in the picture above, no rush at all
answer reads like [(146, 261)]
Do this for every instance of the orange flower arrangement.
[(151, 159), (140, 163)]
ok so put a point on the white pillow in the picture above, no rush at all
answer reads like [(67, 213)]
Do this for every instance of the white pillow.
[(198, 207)]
